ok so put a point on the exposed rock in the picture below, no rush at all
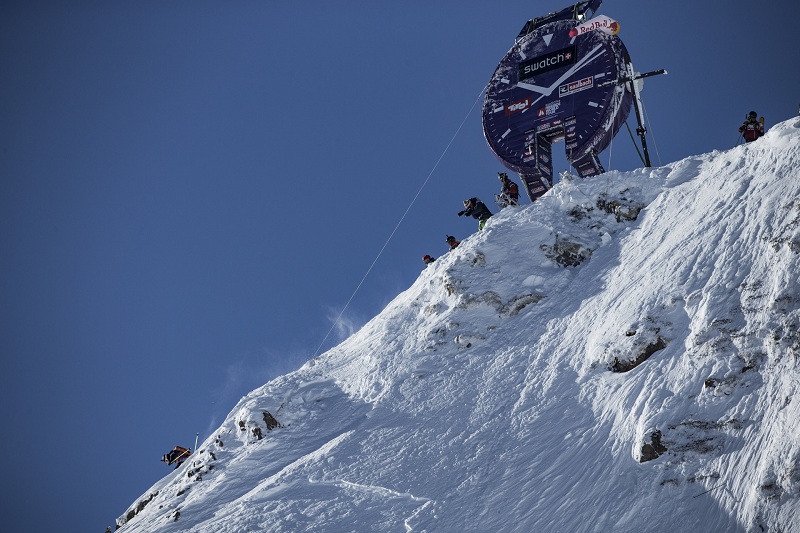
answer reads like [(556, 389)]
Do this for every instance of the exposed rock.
[(138, 509), (699, 436), (451, 285), (566, 253), (619, 365), (622, 208), (518, 303), (467, 341), (271, 422), (473, 301), (477, 260), (653, 449)]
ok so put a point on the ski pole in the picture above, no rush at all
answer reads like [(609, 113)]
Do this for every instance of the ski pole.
[(741, 135), (184, 452), (709, 490)]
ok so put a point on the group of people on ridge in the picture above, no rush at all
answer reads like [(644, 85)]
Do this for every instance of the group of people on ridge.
[(473, 207), (751, 129), (509, 195)]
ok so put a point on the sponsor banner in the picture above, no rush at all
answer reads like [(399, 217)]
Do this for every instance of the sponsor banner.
[(550, 109), (586, 167), (575, 86), (551, 125), (547, 62), (529, 155), (518, 106), (554, 135), (570, 132), (601, 23)]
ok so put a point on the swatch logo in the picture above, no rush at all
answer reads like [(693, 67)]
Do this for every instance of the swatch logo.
[(547, 62)]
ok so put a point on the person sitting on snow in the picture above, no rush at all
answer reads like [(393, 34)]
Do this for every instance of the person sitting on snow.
[(452, 242), (752, 128), (476, 209), (428, 259), (509, 195)]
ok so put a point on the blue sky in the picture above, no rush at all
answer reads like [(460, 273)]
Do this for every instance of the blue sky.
[(190, 193)]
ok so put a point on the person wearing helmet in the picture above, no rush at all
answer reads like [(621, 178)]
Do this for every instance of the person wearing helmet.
[(476, 209), (452, 242), (752, 128), (509, 195), (428, 259)]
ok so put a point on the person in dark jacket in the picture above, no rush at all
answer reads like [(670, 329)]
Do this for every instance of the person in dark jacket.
[(452, 242), (752, 128), (177, 455), (428, 259), (476, 209), (509, 195)]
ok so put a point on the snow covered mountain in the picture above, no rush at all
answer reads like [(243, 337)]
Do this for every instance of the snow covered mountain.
[(622, 355)]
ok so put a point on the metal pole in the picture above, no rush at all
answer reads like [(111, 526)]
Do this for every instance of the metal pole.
[(641, 130), (630, 79), (196, 436)]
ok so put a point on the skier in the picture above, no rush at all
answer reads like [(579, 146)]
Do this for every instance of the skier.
[(476, 209), (428, 259), (177, 455), (452, 242), (509, 195), (752, 129)]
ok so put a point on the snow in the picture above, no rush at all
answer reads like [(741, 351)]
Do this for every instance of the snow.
[(482, 397)]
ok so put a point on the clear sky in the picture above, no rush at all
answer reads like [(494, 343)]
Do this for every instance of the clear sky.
[(191, 192)]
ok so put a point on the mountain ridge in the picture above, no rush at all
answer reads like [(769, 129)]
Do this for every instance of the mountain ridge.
[(620, 355)]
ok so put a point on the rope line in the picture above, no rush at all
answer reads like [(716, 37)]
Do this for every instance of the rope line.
[(652, 135), (410, 205), (641, 158)]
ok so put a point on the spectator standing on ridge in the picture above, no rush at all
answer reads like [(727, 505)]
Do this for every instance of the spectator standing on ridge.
[(476, 209), (509, 195), (752, 128)]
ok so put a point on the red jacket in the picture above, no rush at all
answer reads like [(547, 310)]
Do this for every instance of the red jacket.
[(751, 130)]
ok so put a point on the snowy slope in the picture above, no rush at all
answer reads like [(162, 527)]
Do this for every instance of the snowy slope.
[(579, 365)]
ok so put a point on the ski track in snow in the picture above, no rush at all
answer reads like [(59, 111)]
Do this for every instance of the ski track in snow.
[(481, 398)]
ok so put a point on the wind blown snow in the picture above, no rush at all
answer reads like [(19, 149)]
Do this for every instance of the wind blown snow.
[(621, 355)]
